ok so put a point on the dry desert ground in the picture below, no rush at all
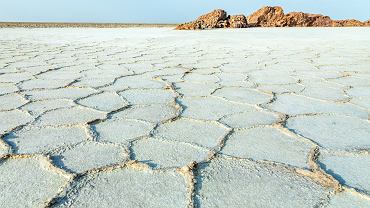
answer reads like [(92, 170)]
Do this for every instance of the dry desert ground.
[(153, 117)]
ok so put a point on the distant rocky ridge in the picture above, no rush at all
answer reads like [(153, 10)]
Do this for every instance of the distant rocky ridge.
[(267, 17)]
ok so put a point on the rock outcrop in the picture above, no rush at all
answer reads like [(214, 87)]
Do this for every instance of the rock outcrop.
[(207, 21), (267, 17), (350, 23), (300, 19), (215, 19), (275, 17)]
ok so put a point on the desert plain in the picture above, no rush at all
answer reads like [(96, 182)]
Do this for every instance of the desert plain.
[(154, 117)]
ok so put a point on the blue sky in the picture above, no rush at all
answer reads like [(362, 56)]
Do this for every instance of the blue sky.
[(164, 11)]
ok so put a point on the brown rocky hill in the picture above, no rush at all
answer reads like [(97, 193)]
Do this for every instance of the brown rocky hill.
[(267, 17)]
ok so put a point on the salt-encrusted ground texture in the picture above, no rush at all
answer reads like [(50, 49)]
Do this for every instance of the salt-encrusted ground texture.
[(164, 118)]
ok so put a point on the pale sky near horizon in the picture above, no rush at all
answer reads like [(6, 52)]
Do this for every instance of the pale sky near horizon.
[(164, 11)]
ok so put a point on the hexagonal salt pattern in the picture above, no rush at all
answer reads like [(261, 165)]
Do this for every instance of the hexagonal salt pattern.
[(331, 92), (44, 140), (6, 88), (164, 154), (202, 78), (44, 83), (155, 113), (134, 82), (148, 96), (105, 101), (62, 93), (15, 77), (37, 108), (11, 101), (32, 182), (211, 108), (296, 105), (206, 134), (69, 116), (352, 169), (91, 155), (133, 188), (122, 130), (243, 95), (152, 117), (250, 119), (333, 131), (268, 144), (12, 119), (196, 89), (242, 183)]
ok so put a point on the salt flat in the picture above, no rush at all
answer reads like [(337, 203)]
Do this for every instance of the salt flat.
[(152, 117)]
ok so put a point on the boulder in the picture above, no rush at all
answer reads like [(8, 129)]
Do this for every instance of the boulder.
[(207, 21), (238, 21), (215, 19), (266, 17)]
